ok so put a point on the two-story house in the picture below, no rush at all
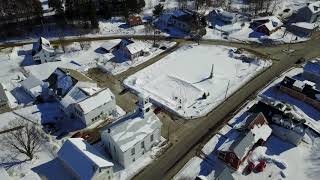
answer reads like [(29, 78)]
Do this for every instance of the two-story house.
[(130, 137)]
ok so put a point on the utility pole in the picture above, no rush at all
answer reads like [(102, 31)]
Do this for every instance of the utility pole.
[(227, 90), (211, 73)]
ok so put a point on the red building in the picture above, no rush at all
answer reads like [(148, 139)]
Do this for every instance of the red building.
[(302, 91), (235, 152), (134, 21)]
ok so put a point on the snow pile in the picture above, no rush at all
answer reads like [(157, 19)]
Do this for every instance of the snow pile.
[(182, 80)]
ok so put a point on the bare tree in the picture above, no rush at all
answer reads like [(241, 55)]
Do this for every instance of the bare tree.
[(27, 140)]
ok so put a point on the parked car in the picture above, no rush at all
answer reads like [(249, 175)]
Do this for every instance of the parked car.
[(260, 167), (250, 167)]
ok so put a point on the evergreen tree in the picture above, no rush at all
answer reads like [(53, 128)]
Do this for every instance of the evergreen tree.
[(158, 10)]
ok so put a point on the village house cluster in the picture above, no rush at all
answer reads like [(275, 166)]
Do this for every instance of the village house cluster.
[(125, 139)]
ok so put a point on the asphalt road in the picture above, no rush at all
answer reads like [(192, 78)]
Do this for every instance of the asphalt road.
[(173, 159)]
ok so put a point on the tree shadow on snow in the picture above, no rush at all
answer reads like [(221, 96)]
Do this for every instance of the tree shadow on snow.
[(52, 170), (28, 59), (255, 34)]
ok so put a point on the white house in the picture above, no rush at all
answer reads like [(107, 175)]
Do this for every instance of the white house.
[(83, 161), (311, 71), (110, 45), (309, 13), (133, 135), (80, 97), (44, 52), (132, 51), (33, 86)]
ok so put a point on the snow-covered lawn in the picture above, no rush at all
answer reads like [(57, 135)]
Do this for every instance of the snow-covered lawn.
[(179, 81)]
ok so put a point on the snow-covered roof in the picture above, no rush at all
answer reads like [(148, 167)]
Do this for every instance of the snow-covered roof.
[(314, 7), (133, 128), (44, 41), (43, 71), (305, 25), (272, 23), (95, 101), (136, 47), (244, 143), (45, 44), (299, 84), (111, 44), (312, 67), (82, 158), (31, 82)]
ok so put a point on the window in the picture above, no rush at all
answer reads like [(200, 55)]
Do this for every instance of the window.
[(142, 145), (133, 151), (151, 137), (133, 160), (148, 109)]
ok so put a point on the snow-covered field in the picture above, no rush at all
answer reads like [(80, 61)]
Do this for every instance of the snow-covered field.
[(180, 80)]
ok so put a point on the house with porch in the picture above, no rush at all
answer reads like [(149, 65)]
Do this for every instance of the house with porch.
[(80, 97), (83, 161), (130, 137)]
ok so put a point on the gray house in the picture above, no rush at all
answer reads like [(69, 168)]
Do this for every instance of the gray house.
[(309, 13), (79, 96)]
